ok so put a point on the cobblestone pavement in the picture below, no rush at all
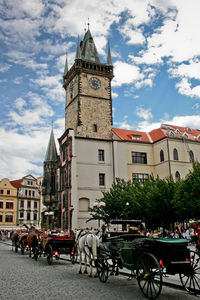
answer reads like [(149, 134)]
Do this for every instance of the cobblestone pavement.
[(23, 278)]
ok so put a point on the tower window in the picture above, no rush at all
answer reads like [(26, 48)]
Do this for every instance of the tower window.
[(95, 127), (175, 154), (191, 154), (177, 176), (162, 155)]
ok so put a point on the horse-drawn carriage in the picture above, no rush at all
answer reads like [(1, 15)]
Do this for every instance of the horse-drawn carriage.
[(149, 259), (54, 246), (19, 241)]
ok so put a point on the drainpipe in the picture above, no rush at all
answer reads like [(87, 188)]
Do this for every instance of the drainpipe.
[(170, 172)]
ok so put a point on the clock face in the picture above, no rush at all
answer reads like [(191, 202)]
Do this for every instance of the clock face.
[(95, 83)]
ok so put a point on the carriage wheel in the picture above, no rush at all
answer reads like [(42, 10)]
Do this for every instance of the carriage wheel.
[(102, 269), (191, 282), (50, 255), (149, 275)]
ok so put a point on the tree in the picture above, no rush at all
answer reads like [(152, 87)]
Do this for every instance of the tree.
[(118, 203), (187, 197), (157, 201)]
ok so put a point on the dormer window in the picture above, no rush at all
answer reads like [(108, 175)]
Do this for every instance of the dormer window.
[(185, 135), (177, 131), (136, 137), (171, 133), (189, 129)]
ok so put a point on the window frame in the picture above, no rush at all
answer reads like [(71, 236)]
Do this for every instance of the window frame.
[(139, 158), (102, 179), (175, 154), (9, 205), (101, 155)]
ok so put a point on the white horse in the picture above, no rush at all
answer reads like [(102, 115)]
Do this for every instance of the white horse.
[(87, 244)]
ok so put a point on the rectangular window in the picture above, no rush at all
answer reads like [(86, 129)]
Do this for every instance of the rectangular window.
[(1, 218), (29, 192), (102, 179), (29, 204), (26, 192), (8, 192), (28, 216), (139, 158), (1, 191), (33, 193), (35, 217), (95, 127), (21, 215), (1, 204), (9, 218), (140, 177), (101, 155), (35, 205), (22, 203), (9, 205)]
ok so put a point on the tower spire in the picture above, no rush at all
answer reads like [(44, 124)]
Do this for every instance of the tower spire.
[(78, 50), (109, 58), (51, 154), (66, 67)]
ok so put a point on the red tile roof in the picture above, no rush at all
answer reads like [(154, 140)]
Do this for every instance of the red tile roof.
[(128, 135), (16, 183), (155, 135)]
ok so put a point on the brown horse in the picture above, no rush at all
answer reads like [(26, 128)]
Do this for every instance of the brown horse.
[(32, 241)]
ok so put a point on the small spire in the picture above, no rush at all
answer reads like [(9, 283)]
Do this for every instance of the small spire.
[(51, 153), (78, 50), (88, 23), (66, 67), (109, 58)]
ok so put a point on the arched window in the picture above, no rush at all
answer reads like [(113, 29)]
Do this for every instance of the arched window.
[(177, 176), (175, 154), (162, 158), (84, 204), (191, 154)]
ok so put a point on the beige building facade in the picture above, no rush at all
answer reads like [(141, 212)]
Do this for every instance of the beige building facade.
[(93, 153), (8, 205)]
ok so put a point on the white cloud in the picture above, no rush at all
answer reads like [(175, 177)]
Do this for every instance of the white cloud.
[(125, 73), (185, 88), (20, 103), (192, 121), (189, 70), (36, 113), (143, 113)]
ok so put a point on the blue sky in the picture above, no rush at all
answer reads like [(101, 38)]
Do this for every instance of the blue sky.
[(155, 46)]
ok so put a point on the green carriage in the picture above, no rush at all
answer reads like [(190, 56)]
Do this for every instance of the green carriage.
[(149, 259)]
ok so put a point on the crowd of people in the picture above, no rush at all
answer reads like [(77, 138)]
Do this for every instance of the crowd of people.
[(190, 233)]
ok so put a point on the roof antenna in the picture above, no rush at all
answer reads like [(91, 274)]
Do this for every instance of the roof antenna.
[(85, 27), (52, 124)]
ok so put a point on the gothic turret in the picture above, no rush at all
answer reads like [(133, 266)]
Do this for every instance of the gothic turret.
[(50, 180)]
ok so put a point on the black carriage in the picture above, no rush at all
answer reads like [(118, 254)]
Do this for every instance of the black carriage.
[(149, 259), (54, 246)]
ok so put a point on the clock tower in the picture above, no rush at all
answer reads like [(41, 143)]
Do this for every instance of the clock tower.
[(88, 108)]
